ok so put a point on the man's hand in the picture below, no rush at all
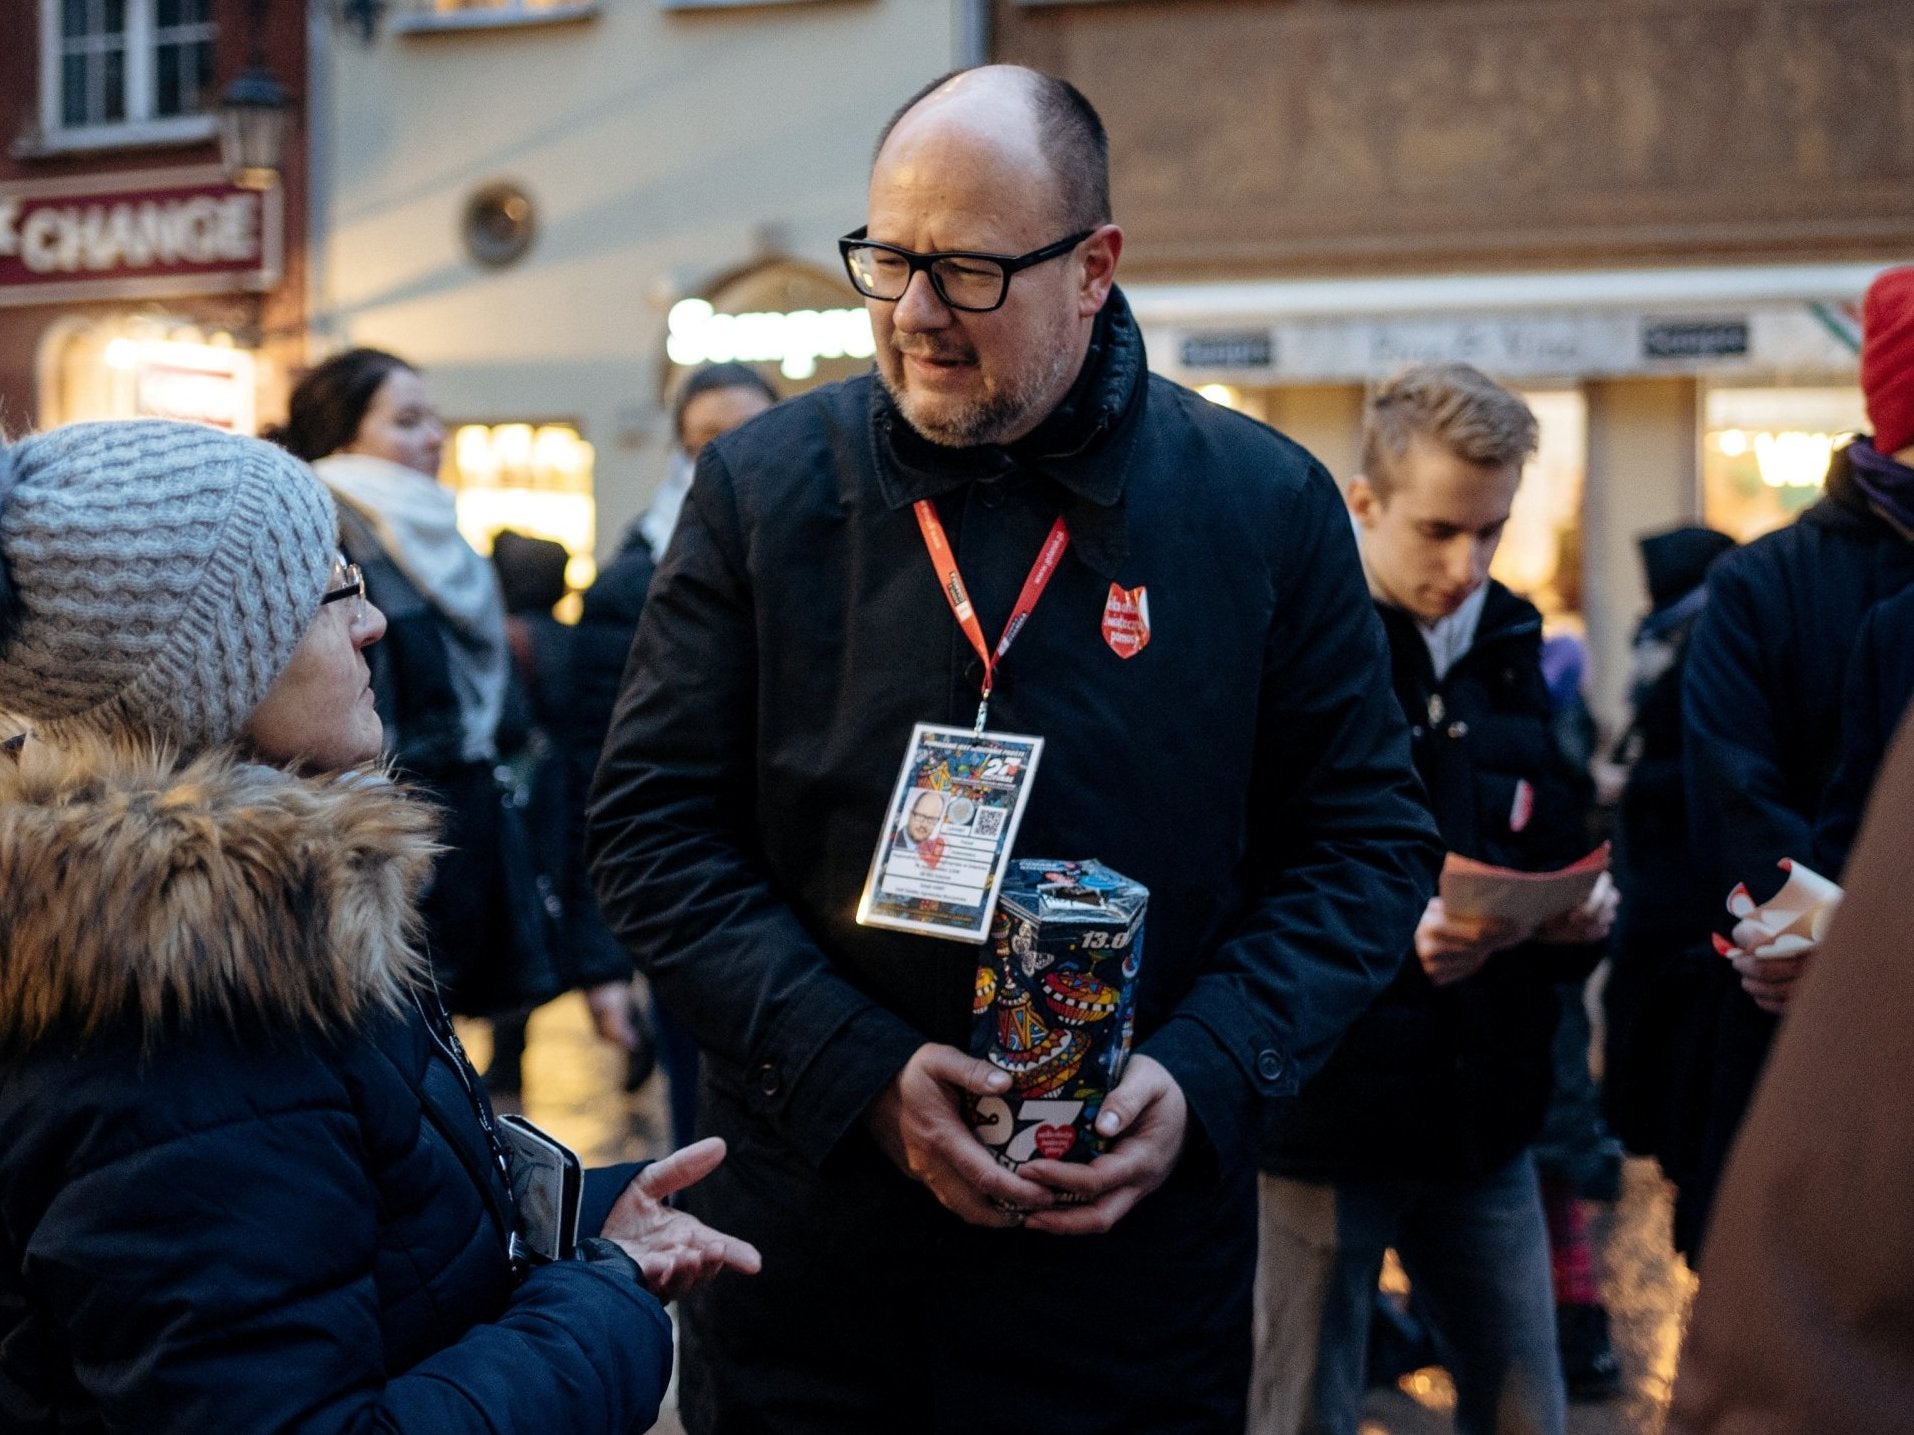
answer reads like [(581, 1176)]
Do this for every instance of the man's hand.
[(1148, 1112), (1590, 922), (918, 1121), (1769, 980), (1452, 947), (610, 1004), (674, 1249)]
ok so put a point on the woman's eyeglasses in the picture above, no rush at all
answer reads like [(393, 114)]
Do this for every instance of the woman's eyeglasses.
[(347, 585)]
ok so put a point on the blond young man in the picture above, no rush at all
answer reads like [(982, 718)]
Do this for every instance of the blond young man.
[(1415, 1135)]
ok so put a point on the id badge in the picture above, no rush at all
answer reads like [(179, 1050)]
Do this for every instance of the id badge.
[(948, 832)]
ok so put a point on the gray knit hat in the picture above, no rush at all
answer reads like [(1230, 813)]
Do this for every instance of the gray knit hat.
[(155, 577)]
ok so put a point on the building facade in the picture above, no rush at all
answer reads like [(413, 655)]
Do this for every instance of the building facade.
[(135, 278), (557, 207), (1654, 217)]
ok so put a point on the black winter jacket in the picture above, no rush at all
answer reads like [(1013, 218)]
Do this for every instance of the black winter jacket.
[(1249, 766), (1452, 1082), (1761, 702), (255, 1195)]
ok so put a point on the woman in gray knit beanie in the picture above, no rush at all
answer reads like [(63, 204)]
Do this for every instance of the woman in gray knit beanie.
[(247, 1180)]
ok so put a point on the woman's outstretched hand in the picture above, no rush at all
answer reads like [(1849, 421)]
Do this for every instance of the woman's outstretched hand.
[(674, 1249)]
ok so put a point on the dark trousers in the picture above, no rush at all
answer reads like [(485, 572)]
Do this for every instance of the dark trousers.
[(877, 1311)]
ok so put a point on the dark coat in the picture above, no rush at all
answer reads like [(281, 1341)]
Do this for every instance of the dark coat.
[(1249, 766), (489, 928), (1880, 686), (1453, 1082), (258, 1196), (1801, 1325), (1761, 701), (554, 769), (1660, 959)]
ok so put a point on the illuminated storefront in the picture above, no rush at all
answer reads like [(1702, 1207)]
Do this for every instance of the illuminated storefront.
[(799, 325), (535, 479), (1664, 396), (1765, 452), (130, 294)]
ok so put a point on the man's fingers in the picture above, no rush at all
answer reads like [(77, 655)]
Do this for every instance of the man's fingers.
[(1144, 1084), (953, 1068), (967, 1162), (1091, 1220), (682, 1168), (967, 1204), (1087, 1178)]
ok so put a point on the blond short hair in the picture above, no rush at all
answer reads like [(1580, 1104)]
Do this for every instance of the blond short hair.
[(1455, 405)]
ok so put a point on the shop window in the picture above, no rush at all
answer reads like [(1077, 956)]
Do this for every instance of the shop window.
[(145, 368), (1765, 452), (535, 479), (1541, 552), (125, 72)]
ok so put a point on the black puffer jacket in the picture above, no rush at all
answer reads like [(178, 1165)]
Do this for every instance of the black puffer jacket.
[(1448, 1082), (257, 1197)]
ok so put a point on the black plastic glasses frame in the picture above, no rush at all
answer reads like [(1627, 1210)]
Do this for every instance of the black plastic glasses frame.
[(1007, 265), (354, 587)]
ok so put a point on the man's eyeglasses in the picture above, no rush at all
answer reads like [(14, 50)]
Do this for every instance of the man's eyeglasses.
[(975, 283), (347, 585)]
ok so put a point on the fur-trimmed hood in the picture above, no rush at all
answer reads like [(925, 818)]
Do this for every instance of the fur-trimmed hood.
[(137, 885)]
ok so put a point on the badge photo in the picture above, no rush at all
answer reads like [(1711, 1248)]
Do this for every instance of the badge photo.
[(1126, 620)]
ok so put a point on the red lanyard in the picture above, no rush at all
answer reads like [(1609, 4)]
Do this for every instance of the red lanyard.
[(952, 582)]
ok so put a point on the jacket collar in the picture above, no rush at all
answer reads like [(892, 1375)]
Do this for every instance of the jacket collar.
[(1505, 617), (1845, 505), (1083, 447), (214, 890)]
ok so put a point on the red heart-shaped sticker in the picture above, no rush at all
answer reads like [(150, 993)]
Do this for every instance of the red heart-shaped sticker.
[(1053, 1141)]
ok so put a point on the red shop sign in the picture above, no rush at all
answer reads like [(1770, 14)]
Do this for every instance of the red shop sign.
[(146, 234)]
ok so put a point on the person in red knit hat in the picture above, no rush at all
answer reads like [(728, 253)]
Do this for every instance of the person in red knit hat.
[(1887, 360), (1762, 715)]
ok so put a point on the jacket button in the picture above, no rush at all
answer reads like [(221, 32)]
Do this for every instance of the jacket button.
[(769, 1082), (1269, 1065)]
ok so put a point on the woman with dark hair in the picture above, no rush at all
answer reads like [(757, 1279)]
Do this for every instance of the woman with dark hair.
[(247, 1180), (442, 679)]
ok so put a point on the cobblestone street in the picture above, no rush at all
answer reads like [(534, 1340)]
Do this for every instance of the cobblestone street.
[(574, 1088)]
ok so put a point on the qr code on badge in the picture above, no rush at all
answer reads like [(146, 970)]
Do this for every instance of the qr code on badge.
[(990, 821)]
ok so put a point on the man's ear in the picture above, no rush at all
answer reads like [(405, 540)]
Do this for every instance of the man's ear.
[(1100, 254), (1364, 501)]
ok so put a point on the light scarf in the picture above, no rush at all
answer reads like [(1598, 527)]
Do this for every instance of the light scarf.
[(415, 520), (660, 520)]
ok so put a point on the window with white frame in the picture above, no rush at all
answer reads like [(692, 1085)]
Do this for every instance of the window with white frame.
[(125, 71)]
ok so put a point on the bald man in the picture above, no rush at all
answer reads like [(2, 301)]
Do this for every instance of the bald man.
[(1211, 684)]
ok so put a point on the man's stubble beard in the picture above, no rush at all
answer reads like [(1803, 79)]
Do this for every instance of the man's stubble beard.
[(1012, 411)]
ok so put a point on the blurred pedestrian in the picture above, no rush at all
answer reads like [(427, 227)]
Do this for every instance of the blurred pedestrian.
[(1416, 1134), (1210, 688), (531, 575), (247, 1180), (1762, 706), (1660, 1000), (711, 401), (1801, 1324), (442, 678)]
